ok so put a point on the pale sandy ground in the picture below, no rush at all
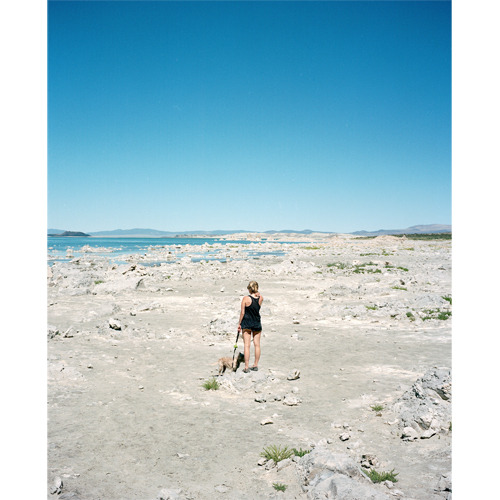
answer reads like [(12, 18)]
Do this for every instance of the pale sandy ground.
[(127, 413)]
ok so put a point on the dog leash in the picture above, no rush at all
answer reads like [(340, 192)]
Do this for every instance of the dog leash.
[(236, 345)]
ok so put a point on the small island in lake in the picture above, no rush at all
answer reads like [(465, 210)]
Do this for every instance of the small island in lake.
[(71, 233)]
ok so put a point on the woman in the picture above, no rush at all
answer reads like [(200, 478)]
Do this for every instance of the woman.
[(250, 323)]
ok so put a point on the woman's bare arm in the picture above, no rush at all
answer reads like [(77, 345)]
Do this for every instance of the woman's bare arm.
[(244, 303)]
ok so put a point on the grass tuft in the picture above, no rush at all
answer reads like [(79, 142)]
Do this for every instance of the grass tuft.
[(379, 477), (279, 486), (377, 408), (211, 384), (301, 452), (436, 314), (277, 453)]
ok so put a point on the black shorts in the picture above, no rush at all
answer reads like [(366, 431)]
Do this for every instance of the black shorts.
[(253, 330)]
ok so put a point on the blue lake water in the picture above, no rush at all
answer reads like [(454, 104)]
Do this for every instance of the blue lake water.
[(67, 248)]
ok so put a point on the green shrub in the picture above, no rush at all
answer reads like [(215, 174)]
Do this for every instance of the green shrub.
[(410, 316), (444, 315), (379, 477), (447, 298), (301, 452), (276, 453), (436, 314), (211, 384), (377, 408), (279, 486)]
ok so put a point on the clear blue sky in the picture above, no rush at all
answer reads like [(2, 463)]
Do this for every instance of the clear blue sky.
[(332, 116)]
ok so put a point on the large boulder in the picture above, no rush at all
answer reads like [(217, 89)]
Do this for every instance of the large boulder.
[(426, 406), (335, 475)]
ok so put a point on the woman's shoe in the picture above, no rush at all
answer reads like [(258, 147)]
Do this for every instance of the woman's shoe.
[(246, 371), (255, 368)]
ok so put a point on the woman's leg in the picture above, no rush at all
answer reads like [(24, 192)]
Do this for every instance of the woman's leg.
[(256, 346), (247, 338)]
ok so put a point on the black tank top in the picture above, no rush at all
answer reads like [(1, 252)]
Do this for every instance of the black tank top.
[(251, 318)]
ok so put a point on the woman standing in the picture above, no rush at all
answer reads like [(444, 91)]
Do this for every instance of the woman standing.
[(250, 324)]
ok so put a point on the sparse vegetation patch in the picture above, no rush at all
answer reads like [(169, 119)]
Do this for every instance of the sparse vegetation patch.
[(211, 384), (301, 452), (361, 268), (380, 477), (277, 453), (436, 314), (279, 486), (337, 265)]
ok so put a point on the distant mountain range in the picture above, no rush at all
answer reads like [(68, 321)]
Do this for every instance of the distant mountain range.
[(153, 233), (422, 229)]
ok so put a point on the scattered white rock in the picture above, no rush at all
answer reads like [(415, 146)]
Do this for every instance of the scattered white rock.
[(266, 421), (169, 494), (284, 463), (57, 486), (222, 488), (291, 400), (345, 436), (369, 461), (270, 464), (409, 434), (444, 483), (115, 324), (293, 375)]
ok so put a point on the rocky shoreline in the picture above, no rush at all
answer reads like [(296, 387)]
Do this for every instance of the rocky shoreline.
[(355, 371)]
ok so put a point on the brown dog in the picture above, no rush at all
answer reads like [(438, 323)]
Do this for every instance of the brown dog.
[(230, 363)]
